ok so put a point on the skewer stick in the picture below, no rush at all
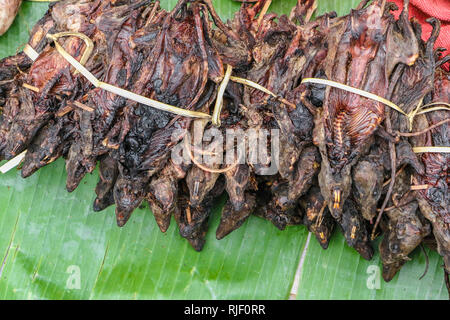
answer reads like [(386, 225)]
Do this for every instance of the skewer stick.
[(396, 174), (30, 87), (83, 106), (263, 12), (64, 111), (420, 187), (13, 163), (188, 214)]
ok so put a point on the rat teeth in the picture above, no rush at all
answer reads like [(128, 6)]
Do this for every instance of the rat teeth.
[(337, 199)]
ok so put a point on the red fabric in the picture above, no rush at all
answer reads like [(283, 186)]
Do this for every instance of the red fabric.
[(424, 9)]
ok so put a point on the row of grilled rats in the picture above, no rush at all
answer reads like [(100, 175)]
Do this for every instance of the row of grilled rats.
[(341, 157)]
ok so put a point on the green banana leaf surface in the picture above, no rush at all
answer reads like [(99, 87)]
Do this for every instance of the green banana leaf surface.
[(54, 246)]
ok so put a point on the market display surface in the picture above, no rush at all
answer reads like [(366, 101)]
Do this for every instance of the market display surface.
[(358, 101)]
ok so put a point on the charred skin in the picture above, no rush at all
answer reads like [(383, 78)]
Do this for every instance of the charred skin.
[(199, 181), (158, 153), (357, 57), (175, 57), (414, 86), (238, 178), (404, 233), (78, 19), (273, 204), (237, 50), (317, 217), (52, 142), (233, 218), (115, 25), (434, 202), (265, 47), (280, 207), (240, 184), (129, 192), (280, 219), (237, 182), (292, 145), (132, 185), (10, 67), (10, 77), (416, 80), (164, 187), (17, 101), (51, 75), (405, 227), (163, 193), (307, 169), (79, 150), (182, 44), (282, 52), (402, 43), (194, 231)]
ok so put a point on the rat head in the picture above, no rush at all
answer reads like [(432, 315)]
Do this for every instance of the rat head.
[(367, 187), (335, 188), (200, 183), (129, 194)]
